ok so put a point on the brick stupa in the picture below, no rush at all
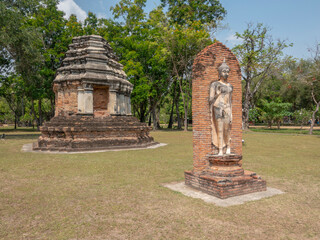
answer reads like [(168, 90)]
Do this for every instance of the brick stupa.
[(220, 175), (93, 109)]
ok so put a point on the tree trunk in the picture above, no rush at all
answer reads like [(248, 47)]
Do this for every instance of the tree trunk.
[(245, 118), (185, 107), (246, 108), (314, 118), (34, 114), (134, 111), (185, 118), (177, 112), (154, 118), (172, 108), (149, 123), (23, 107), (15, 121), (40, 112), (186, 111), (158, 117), (171, 116), (142, 116)]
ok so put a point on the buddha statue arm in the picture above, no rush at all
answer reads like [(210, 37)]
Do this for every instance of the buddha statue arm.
[(214, 93)]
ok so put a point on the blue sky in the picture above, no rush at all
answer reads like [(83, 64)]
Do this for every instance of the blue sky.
[(294, 20)]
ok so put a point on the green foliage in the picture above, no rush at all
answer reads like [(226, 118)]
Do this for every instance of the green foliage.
[(49, 21), (20, 41), (274, 111), (207, 12), (91, 24), (258, 53), (302, 116), (254, 114), (142, 53), (185, 33), (73, 28), (5, 111), (11, 90), (156, 50)]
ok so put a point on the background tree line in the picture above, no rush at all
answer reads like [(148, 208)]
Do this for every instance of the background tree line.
[(157, 50)]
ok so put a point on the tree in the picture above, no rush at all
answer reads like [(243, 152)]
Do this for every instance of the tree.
[(302, 116), (257, 54), (185, 12), (21, 41), (49, 21), (186, 33), (183, 44), (91, 24), (5, 111), (73, 27), (143, 56), (11, 90), (288, 85), (274, 111), (310, 75)]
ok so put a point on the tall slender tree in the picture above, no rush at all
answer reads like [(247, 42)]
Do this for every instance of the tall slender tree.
[(187, 32), (257, 54), (143, 55)]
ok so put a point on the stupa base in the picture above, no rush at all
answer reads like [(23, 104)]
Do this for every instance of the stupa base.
[(86, 133)]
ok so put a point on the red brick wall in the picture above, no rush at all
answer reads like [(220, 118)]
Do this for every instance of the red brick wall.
[(66, 98), (205, 71)]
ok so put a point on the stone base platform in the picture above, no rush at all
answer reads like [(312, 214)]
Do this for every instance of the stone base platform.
[(225, 187), (237, 200), (29, 148), (86, 133)]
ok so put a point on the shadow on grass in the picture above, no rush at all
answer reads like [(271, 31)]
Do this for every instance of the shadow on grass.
[(21, 136), (164, 128), (6, 129), (173, 130)]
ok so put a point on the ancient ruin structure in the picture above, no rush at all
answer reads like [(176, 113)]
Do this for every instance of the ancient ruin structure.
[(217, 122), (93, 109)]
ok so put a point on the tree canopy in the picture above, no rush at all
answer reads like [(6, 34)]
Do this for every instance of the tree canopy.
[(157, 50)]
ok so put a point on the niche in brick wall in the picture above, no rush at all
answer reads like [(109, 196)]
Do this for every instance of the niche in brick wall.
[(100, 100)]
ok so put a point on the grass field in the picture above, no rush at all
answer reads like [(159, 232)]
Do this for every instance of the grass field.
[(118, 195), (286, 130)]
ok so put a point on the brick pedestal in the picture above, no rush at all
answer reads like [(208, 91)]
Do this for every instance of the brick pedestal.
[(221, 176), (224, 187), (87, 133)]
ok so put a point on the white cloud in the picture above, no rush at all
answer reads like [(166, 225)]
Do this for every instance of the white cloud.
[(70, 7), (232, 39), (101, 15)]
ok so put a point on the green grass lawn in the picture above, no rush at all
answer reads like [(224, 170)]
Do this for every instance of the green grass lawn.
[(118, 195), (285, 130)]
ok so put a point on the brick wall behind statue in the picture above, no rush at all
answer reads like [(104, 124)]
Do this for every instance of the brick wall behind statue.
[(205, 71)]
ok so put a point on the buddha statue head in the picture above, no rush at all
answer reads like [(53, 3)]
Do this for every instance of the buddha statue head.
[(224, 70)]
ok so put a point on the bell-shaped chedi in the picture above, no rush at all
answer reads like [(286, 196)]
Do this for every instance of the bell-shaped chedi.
[(93, 109), (217, 122)]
